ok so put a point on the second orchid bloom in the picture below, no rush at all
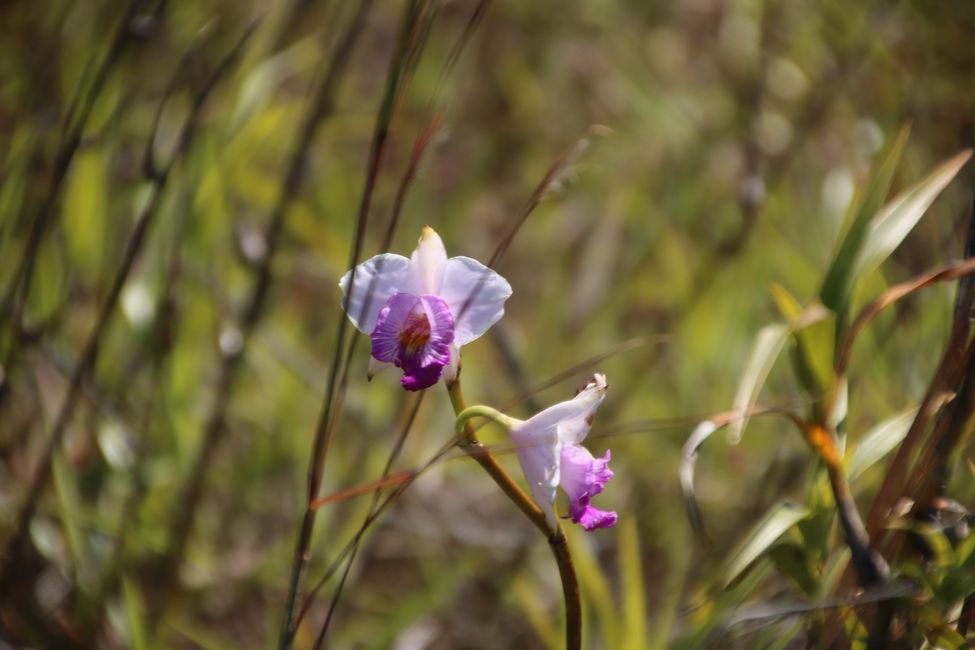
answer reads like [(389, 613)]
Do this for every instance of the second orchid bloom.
[(550, 451), (551, 455), (420, 311)]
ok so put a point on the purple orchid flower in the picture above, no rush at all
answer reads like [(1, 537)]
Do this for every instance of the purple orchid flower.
[(420, 311), (550, 453)]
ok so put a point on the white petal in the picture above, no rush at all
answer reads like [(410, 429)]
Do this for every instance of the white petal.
[(475, 295), (538, 452), (429, 260), (376, 280), (569, 418)]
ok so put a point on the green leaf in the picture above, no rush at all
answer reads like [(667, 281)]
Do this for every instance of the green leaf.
[(135, 613), (933, 535), (49, 289), (787, 304), (530, 603), (965, 553), (792, 561), (776, 522), (813, 356), (812, 352), (86, 210), (879, 441), (596, 591), (70, 509), (766, 349), (888, 228), (839, 280), (938, 631), (632, 588)]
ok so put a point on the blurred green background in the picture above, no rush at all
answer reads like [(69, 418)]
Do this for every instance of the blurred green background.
[(730, 137)]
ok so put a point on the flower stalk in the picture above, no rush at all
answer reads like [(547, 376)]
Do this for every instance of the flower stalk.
[(468, 442)]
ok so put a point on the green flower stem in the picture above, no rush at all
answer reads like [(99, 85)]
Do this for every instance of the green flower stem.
[(468, 442)]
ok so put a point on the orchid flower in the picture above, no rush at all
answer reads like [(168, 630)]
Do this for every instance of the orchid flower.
[(420, 311), (550, 454)]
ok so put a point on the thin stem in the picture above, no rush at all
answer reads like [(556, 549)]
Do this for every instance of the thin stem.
[(570, 591), (335, 391), (870, 567), (373, 510), (473, 447), (18, 544), (481, 411)]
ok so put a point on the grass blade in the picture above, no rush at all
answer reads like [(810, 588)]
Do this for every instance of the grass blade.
[(776, 522), (895, 220), (766, 349), (879, 441), (839, 280)]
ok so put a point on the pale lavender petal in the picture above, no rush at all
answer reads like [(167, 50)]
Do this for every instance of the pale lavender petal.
[(538, 454), (428, 263), (475, 295), (570, 415), (376, 280), (389, 325)]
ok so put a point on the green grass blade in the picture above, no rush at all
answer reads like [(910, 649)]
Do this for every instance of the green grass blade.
[(879, 441), (766, 349), (631, 585), (596, 590), (135, 615), (896, 219), (839, 280), (776, 522)]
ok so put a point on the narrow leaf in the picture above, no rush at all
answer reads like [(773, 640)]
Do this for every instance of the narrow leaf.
[(688, 461), (839, 278), (768, 345), (632, 587), (135, 615), (895, 220), (779, 519), (879, 441)]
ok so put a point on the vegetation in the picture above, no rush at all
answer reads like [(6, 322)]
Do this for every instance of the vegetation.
[(754, 216)]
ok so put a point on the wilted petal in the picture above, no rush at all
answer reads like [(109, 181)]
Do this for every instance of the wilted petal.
[(376, 280), (476, 296), (574, 429), (570, 416), (428, 263)]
